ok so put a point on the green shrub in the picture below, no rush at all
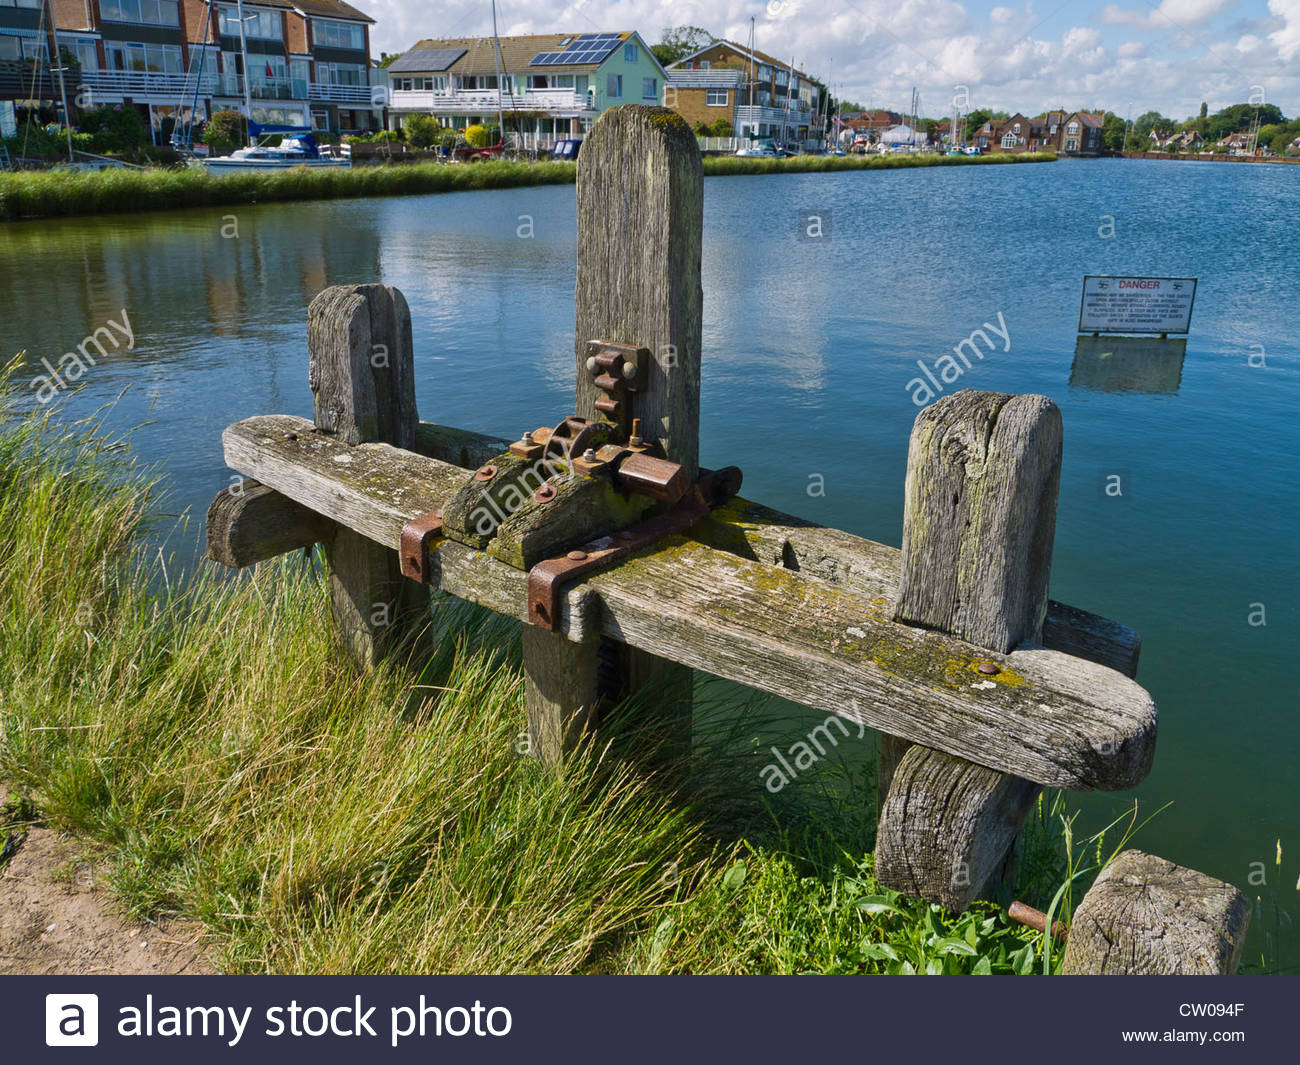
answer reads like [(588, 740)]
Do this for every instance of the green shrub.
[(114, 129), (224, 131), (476, 136), (422, 130)]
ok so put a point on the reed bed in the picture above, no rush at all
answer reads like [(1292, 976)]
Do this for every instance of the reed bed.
[(58, 193)]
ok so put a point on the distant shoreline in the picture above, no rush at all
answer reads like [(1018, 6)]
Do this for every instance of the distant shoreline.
[(1287, 159), (28, 195)]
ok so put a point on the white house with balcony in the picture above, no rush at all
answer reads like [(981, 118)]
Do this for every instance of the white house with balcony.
[(550, 86)]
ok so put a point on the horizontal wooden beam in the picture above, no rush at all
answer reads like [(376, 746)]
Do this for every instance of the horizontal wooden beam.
[(863, 566), (249, 523), (1046, 716)]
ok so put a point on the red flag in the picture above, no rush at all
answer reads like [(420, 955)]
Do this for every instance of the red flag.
[(269, 72)]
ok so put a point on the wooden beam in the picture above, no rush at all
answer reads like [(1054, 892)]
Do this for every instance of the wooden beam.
[(1046, 716), (863, 566), (640, 194), (362, 377), (249, 523), (979, 519)]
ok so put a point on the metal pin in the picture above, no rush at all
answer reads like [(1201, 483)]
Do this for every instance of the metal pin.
[(577, 556), (589, 455)]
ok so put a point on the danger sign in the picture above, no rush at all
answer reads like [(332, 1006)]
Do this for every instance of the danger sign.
[(1136, 304)]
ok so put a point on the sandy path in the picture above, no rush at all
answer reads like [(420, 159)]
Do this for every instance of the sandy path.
[(56, 918)]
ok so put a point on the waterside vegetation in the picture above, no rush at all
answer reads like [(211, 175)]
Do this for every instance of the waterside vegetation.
[(55, 193)]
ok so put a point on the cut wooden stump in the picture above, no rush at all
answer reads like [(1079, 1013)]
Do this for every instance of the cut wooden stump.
[(362, 376), (1146, 915), (983, 470)]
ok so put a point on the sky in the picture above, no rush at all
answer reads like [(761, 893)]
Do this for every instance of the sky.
[(1128, 56)]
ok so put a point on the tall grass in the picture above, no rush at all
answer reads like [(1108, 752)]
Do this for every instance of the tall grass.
[(206, 734), (53, 193)]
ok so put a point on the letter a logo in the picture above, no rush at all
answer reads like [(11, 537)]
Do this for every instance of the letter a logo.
[(71, 1020)]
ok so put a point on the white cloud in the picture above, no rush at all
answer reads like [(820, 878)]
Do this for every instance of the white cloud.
[(1170, 15), (875, 51), (1286, 39)]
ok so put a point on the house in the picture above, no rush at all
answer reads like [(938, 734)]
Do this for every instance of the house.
[(308, 60), (1080, 134), (552, 85), (1236, 144), (1175, 141), (700, 94), (774, 99), (28, 82)]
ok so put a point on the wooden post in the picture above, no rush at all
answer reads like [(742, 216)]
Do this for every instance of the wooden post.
[(983, 471), (640, 225), (1148, 916), (362, 376)]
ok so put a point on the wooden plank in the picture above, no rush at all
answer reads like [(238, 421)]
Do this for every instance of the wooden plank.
[(362, 377), (1051, 718), (249, 523)]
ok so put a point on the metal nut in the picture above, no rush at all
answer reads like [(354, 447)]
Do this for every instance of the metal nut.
[(485, 473), (589, 455)]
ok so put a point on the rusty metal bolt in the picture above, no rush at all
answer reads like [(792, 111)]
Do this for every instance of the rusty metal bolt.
[(486, 473), (589, 455), (635, 438), (988, 668), (545, 494), (577, 556), (629, 371)]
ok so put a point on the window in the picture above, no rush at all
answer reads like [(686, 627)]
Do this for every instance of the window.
[(1016, 128), (148, 12), (476, 81), (154, 58), (614, 86), (715, 97), (649, 88), (704, 65), (1071, 146), (86, 53), (263, 25), (338, 35), (1009, 140), (629, 53), (1072, 129), (350, 74)]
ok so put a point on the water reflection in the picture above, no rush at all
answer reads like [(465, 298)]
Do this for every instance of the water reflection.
[(1129, 364)]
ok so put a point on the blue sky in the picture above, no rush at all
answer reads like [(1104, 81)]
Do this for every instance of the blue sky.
[(1166, 56)]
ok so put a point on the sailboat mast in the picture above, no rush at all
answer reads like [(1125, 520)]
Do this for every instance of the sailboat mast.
[(496, 42), (243, 54)]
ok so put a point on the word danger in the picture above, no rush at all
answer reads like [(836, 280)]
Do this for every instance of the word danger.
[(295, 1021)]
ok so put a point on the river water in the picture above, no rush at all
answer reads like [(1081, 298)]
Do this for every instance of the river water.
[(810, 348)]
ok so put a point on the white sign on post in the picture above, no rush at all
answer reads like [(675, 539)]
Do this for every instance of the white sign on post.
[(1136, 304)]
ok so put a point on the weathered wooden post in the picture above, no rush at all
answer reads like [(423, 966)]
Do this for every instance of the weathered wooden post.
[(983, 471), (362, 376), (640, 225), (1148, 916)]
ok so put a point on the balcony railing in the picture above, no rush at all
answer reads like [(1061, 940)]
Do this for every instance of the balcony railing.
[(475, 101), (773, 116), (144, 83), (22, 79), (342, 94), (262, 88)]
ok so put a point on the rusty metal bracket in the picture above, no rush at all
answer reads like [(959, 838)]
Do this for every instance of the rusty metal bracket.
[(547, 579), (417, 536)]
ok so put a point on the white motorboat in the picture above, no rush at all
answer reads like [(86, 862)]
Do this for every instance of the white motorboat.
[(297, 148)]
